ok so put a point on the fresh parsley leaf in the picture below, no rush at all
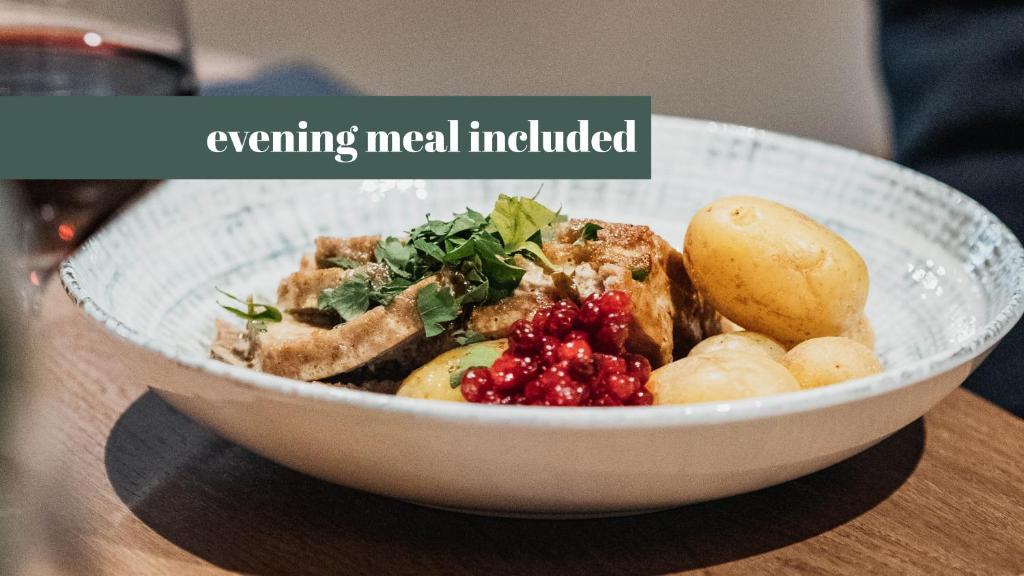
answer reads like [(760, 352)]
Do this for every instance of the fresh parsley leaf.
[(461, 251), (254, 311), (476, 294), (436, 305), (340, 262), (475, 357), (640, 274), (350, 299), (385, 295), (517, 219), (468, 220), (429, 249), (588, 232), (396, 254)]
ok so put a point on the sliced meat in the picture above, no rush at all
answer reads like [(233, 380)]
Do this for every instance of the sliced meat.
[(636, 260), (307, 262), (357, 248), (308, 352), (300, 290), (230, 345)]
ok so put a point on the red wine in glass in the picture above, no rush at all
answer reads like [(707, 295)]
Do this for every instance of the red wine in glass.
[(56, 61)]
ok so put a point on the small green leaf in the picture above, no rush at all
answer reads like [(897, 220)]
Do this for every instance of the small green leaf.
[(429, 249), (436, 305), (254, 312), (340, 262), (386, 294), (350, 300), (588, 232), (517, 219), (640, 274), (395, 253), (475, 357)]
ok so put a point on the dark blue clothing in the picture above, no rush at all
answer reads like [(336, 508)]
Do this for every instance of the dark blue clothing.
[(955, 74)]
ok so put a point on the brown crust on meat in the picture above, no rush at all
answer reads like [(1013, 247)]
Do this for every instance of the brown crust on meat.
[(316, 353), (357, 248), (299, 291)]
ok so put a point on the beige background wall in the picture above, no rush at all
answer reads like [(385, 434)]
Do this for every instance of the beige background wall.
[(800, 66)]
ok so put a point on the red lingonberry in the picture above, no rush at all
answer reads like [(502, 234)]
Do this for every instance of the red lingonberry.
[(504, 373), (567, 305), (559, 323), (534, 391), (589, 317), (583, 370), (608, 364), (606, 399), (567, 356), (527, 368), (522, 338), (638, 366), (549, 350), (574, 350), (643, 397), (576, 335), (611, 338), (621, 385), (475, 382), (491, 397), (567, 393), (540, 318), (615, 301)]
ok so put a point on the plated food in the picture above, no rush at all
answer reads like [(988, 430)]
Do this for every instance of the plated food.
[(524, 306), (947, 283)]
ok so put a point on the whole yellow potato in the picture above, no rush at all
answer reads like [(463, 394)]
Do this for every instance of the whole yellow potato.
[(828, 360), (433, 379), (744, 341), (720, 376), (862, 332), (774, 270)]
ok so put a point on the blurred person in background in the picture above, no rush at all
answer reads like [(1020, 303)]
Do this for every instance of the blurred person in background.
[(955, 75)]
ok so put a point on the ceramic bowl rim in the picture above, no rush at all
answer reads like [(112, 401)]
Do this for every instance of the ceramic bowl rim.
[(604, 418)]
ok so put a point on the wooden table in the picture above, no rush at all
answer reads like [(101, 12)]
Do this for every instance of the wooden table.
[(148, 491)]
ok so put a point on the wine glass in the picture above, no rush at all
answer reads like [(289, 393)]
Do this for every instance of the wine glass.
[(93, 48), (59, 48)]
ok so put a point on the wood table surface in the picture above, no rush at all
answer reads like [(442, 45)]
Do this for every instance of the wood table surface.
[(131, 486)]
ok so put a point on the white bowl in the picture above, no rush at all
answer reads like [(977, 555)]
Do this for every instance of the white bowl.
[(947, 284)]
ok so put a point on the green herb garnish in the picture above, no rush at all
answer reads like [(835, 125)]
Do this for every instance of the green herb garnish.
[(471, 254), (640, 274), (256, 316), (340, 262), (588, 232), (437, 306), (478, 357), (254, 311), (350, 299)]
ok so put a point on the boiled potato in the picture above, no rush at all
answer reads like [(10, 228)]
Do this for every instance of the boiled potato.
[(824, 361), (862, 332), (720, 376), (775, 271), (433, 379), (745, 341)]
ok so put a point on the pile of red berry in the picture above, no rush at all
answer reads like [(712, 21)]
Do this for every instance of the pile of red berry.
[(567, 355)]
